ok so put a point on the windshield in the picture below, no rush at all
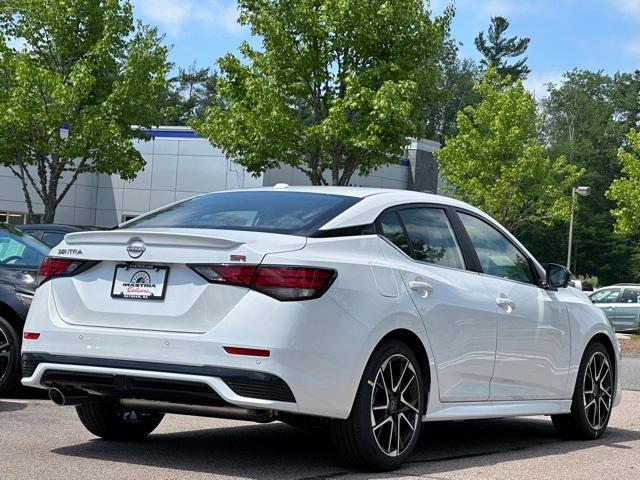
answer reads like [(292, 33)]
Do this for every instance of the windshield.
[(18, 249), (292, 213)]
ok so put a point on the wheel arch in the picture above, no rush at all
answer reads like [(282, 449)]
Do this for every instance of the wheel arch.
[(416, 345), (605, 340)]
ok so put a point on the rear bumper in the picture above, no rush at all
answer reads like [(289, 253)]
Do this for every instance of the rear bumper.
[(55, 371), (125, 379), (317, 349)]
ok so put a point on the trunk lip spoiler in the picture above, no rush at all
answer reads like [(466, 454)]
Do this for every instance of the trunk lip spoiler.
[(154, 238)]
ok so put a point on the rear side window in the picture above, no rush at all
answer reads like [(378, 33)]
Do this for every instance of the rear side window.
[(393, 231), (292, 213), (630, 295), (498, 256), (52, 238), (431, 236)]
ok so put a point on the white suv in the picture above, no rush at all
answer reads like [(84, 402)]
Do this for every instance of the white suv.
[(367, 311)]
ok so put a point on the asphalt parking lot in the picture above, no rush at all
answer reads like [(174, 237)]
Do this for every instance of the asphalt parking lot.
[(41, 441)]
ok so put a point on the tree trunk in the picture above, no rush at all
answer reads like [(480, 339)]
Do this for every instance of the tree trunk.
[(49, 211)]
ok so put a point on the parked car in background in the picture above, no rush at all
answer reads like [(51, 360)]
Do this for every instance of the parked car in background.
[(621, 304), (52, 234), (20, 258), (368, 310)]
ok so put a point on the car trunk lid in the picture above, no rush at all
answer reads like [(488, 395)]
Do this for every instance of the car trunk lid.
[(189, 303)]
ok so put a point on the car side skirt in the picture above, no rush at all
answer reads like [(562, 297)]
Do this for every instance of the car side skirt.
[(480, 410)]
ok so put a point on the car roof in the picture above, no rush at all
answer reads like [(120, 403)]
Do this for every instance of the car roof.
[(359, 192)]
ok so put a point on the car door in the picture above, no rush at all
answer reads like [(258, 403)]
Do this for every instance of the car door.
[(627, 310), (607, 300), (451, 300), (533, 343)]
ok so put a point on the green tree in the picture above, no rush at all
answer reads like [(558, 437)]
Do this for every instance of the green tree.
[(497, 49), (625, 191), (189, 94), (456, 92), (81, 76), (337, 86), (586, 118), (497, 162)]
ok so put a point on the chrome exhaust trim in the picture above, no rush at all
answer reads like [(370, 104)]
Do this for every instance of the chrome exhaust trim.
[(62, 398), (228, 412)]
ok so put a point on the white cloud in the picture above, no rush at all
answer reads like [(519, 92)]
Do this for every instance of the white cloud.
[(537, 82), (627, 7), (172, 16), (224, 14)]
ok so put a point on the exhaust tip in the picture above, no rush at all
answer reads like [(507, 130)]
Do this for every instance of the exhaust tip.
[(56, 396)]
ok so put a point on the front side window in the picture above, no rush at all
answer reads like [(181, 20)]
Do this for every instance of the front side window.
[(18, 249), (606, 295), (498, 256), (292, 213), (431, 236)]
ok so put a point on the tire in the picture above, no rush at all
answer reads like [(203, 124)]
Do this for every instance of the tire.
[(367, 440), (592, 401), (9, 358), (108, 421)]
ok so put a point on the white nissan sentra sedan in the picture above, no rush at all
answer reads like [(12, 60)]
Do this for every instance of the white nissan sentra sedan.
[(367, 311)]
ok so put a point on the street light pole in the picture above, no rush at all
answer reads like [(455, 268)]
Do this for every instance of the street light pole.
[(583, 192)]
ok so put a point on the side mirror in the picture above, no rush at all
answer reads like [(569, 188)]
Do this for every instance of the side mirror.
[(558, 276)]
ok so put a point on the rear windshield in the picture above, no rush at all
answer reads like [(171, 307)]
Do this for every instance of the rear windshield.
[(292, 213)]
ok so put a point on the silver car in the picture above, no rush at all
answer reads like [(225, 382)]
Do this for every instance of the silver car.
[(621, 303)]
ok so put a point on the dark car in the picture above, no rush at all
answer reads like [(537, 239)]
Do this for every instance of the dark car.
[(20, 259), (50, 233)]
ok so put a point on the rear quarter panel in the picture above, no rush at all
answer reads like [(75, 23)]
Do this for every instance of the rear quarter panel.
[(374, 302)]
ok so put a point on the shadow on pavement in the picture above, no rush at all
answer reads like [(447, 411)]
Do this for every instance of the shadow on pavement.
[(277, 451), (11, 406), (24, 393)]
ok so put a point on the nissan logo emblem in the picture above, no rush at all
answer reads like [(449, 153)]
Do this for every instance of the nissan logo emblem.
[(136, 248)]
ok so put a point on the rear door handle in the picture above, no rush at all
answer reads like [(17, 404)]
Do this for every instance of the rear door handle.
[(423, 287), (506, 303)]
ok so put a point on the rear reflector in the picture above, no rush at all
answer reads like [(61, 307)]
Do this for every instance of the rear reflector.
[(31, 335), (250, 352), (60, 267), (282, 282)]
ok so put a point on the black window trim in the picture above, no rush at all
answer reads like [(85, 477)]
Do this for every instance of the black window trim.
[(538, 281), (469, 259)]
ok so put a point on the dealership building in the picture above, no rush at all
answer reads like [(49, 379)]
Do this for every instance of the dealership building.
[(179, 164)]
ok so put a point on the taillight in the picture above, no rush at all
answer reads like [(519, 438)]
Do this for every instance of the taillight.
[(240, 275), (282, 282), (58, 267)]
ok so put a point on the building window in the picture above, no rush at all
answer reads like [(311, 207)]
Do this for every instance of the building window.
[(18, 218)]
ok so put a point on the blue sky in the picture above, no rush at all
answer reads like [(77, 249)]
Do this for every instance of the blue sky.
[(565, 34)]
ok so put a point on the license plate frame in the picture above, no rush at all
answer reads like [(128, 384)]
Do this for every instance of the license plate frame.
[(138, 290)]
